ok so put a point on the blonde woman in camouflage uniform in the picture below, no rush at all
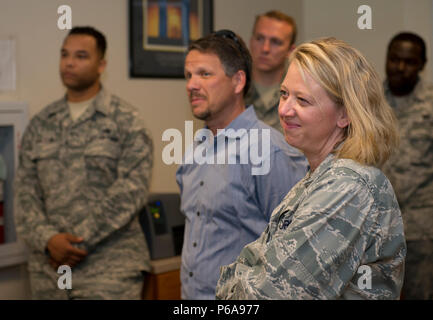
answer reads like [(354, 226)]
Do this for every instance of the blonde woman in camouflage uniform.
[(338, 234)]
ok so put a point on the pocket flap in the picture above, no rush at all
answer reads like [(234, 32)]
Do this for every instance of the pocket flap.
[(103, 148), (46, 150)]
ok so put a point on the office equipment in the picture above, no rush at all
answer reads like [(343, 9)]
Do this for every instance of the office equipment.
[(163, 225), (13, 120)]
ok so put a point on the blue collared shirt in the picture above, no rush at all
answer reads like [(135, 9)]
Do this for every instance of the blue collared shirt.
[(226, 206)]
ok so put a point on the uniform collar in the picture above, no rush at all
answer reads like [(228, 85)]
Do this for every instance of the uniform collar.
[(418, 94), (321, 169), (99, 104)]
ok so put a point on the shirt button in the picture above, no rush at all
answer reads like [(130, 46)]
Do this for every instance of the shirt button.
[(201, 183), (198, 213), (194, 244), (190, 274)]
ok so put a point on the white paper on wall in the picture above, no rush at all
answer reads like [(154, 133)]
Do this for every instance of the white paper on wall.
[(7, 65)]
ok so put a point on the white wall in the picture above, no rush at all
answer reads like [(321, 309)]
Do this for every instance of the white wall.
[(339, 18), (162, 102)]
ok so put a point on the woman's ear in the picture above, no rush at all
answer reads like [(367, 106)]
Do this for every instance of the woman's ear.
[(343, 120)]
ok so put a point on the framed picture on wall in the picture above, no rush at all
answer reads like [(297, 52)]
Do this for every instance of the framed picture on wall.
[(160, 32)]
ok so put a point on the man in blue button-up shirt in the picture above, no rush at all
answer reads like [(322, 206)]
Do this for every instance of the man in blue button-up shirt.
[(238, 169)]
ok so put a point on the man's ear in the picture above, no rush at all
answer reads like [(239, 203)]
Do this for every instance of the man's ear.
[(343, 119), (102, 65), (292, 47), (239, 80)]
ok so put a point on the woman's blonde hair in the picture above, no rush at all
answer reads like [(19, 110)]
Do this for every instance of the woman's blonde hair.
[(351, 82)]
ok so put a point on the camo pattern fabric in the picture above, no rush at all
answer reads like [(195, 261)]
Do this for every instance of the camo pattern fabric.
[(89, 178), (268, 114), (410, 169), (339, 218)]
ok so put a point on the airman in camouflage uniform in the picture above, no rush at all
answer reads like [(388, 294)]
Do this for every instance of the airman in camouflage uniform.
[(410, 169), (267, 113), (86, 179), (273, 38), (313, 245), (338, 233)]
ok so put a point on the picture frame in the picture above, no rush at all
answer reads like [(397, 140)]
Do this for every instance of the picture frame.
[(160, 32)]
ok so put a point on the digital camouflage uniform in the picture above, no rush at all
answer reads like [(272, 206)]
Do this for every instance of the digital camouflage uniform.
[(88, 178), (267, 113), (335, 220), (410, 171)]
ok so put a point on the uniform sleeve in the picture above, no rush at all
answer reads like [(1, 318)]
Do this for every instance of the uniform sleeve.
[(126, 196), (315, 257), (30, 218)]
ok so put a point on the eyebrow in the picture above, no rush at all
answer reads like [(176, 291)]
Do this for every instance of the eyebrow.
[(271, 37), (306, 95), (79, 51)]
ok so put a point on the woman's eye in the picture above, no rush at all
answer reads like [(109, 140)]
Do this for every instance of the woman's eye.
[(284, 94), (303, 101)]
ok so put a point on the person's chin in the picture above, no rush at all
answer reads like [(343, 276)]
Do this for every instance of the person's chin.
[(200, 114), (290, 140), (264, 67), (70, 83)]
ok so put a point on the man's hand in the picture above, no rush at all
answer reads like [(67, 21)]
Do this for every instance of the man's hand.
[(63, 252)]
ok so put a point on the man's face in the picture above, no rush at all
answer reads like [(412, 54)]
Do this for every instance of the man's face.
[(403, 64), (80, 62), (210, 91), (270, 44)]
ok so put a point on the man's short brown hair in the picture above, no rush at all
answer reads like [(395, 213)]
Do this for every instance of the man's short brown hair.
[(280, 16), (230, 49)]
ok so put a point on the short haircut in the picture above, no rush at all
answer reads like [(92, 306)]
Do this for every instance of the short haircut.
[(101, 43), (352, 83), (280, 16), (411, 37), (231, 51)]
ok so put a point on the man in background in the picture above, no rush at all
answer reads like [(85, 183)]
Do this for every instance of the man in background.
[(227, 205), (410, 170), (273, 38), (84, 173)]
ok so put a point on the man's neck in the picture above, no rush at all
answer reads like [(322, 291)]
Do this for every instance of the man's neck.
[(225, 118), (268, 79), (83, 95), (404, 91)]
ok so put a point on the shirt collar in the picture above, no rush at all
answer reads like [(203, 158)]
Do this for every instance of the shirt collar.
[(322, 168), (245, 120), (100, 103), (417, 94)]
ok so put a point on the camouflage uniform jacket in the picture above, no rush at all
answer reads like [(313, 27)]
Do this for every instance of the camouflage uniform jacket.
[(338, 218), (410, 169), (268, 114), (88, 178)]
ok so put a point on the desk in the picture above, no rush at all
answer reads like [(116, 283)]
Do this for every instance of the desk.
[(163, 281)]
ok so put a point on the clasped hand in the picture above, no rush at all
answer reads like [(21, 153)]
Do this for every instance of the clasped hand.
[(62, 252)]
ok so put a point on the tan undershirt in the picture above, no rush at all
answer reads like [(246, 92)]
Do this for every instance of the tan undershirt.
[(76, 109)]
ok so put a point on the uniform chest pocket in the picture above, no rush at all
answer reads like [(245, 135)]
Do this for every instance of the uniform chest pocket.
[(101, 157), (50, 171)]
